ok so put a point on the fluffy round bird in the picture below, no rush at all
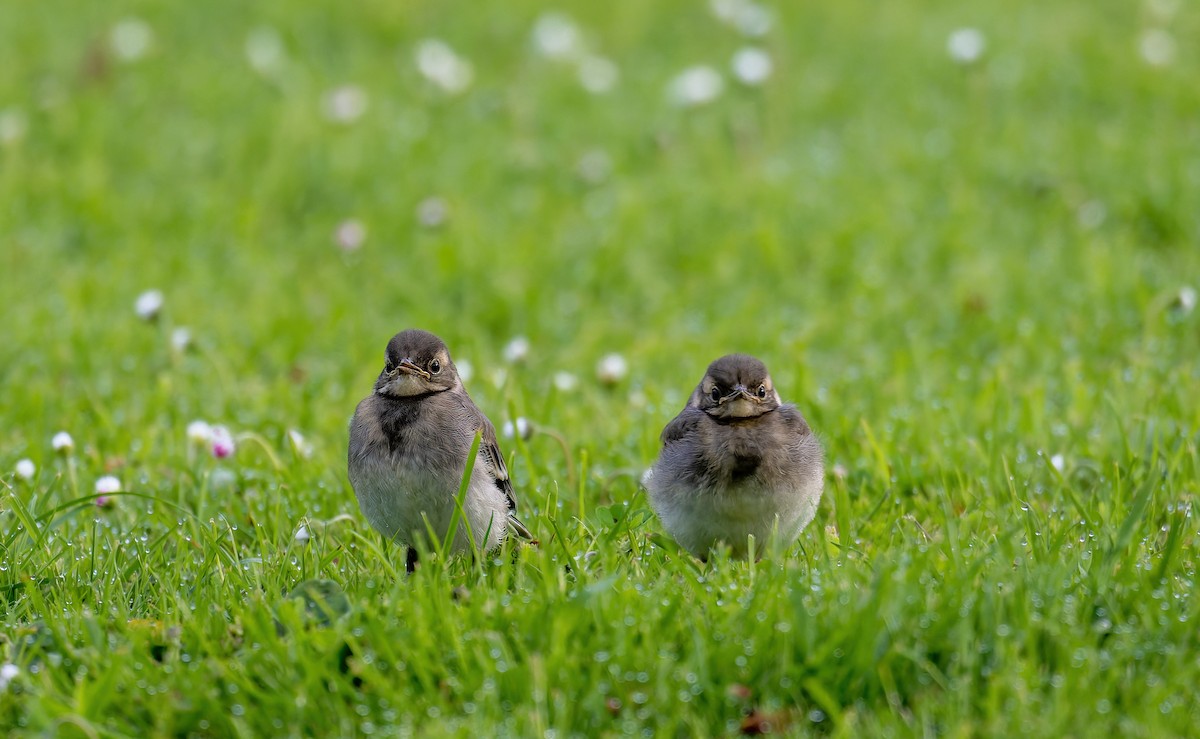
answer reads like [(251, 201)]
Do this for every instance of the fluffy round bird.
[(409, 442), (736, 462)]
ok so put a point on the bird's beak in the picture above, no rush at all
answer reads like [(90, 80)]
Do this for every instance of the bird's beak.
[(740, 393), (408, 367), (740, 403)]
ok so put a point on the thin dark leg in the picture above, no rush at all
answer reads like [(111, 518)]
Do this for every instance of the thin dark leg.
[(411, 560)]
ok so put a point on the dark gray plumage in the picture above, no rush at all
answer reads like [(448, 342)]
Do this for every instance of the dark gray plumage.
[(736, 462), (409, 442)]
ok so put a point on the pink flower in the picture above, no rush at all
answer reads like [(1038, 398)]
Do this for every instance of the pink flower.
[(104, 502), (222, 442)]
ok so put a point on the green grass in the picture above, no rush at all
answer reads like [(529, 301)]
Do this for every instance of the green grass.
[(957, 273)]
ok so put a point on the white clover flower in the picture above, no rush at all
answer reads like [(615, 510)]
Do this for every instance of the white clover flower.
[(521, 427), (302, 446), (222, 442), (466, 370), (181, 339), (130, 39), (753, 19), (438, 63), (13, 125), (199, 432), (752, 66), (555, 36), (611, 369), (517, 350), (62, 442), (26, 469), (108, 484), (149, 304), (302, 536), (264, 50), (696, 86), (350, 235), (8, 673), (1187, 299), (1157, 47), (966, 45), (1057, 462), (565, 381), (432, 212), (747, 16), (725, 10), (597, 74), (345, 104)]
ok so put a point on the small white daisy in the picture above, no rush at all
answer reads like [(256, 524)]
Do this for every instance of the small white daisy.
[(1157, 47), (439, 64), (149, 304), (966, 45), (8, 673), (521, 427), (432, 212), (350, 235), (222, 442), (26, 469), (264, 50), (555, 36), (62, 442), (611, 369), (753, 19), (199, 432), (130, 39), (181, 339), (565, 381), (1187, 299), (696, 86), (345, 104), (517, 350), (108, 484), (752, 66), (302, 446)]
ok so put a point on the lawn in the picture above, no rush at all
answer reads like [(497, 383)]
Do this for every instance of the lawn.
[(962, 236)]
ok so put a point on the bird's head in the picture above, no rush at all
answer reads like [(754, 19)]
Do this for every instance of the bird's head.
[(735, 387), (416, 363)]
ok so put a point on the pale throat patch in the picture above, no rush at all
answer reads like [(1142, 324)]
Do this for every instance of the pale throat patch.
[(405, 385)]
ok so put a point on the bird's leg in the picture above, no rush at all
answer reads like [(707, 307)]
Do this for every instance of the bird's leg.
[(411, 560)]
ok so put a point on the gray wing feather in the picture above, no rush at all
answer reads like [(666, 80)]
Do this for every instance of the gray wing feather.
[(489, 446), (681, 426)]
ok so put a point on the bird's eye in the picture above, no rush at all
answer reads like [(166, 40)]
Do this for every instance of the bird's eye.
[(762, 391), (716, 395), (389, 367), (434, 366)]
